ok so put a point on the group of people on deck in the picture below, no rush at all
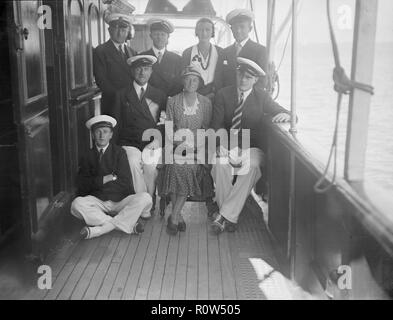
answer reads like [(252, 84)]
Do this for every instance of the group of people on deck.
[(208, 87)]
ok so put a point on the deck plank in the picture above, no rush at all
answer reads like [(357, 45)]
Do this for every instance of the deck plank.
[(179, 291), (95, 259), (76, 274), (125, 267), (192, 265), (159, 266), (102, 268), (135, 271), (114, 267), (228, 274), (215, 280), (63, 276), (203, 268), (170, 269), (150, 260)]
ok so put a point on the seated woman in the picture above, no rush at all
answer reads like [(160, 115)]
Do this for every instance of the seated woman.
[(209, 57), (189, 111)]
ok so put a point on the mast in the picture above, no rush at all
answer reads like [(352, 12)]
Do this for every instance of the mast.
[(359, 103)]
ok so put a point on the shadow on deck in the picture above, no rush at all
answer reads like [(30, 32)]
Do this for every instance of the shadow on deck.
[(195, 265)]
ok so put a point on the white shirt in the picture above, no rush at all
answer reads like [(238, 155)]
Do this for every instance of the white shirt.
[(138, 88), (116, 44), (243, 43), (156, 51), (104, 148), (208, 74), (245, 94)]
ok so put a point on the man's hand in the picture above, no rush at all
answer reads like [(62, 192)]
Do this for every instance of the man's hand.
[(281, 117), (109, 178)]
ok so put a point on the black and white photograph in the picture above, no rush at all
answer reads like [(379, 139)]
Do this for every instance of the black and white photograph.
[(196, 155)]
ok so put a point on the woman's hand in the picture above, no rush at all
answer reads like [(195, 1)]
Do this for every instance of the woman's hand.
[(281, 117), (162, 118)]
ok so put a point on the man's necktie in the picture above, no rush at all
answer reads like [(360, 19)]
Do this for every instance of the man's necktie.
[(238, 48), (159, 56), (123, 55), (237, 121), (141, 94), (101, 155), (237, 115)]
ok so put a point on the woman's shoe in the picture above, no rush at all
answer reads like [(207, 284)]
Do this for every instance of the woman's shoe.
[(181, 226), (171, 228)]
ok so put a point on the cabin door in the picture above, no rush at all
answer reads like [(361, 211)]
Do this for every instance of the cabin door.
[(31, 111)]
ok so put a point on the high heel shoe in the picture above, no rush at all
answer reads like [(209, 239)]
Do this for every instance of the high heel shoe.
[(171, 228)]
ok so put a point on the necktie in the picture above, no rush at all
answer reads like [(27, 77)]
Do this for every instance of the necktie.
[(237, 116), (141, 94), (101, 155), (123, 55), (159, 56), (238, 48)]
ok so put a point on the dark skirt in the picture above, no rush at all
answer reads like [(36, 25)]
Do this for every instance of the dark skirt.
[(190, 180)]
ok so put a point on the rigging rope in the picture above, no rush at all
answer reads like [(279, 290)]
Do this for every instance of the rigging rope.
[(342, 85)]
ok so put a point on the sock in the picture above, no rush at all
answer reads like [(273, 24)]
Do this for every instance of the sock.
[(100, 230)]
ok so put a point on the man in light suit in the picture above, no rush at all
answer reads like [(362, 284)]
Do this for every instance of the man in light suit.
[(106, 197), (241, 22), (167, 70), (239, 108), (137, 109), (111, 71)]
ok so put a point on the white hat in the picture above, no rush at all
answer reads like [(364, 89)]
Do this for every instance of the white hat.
[(250, 66), (101, 121), (160, 24), (193, 69), (239, 14), (119, 17), (142, 60)]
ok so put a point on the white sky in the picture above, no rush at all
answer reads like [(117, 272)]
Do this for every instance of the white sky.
[(312, 19)]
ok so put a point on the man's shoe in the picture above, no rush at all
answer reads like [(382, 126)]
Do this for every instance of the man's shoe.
[(218, 225), (230, 227), (212, 210), (138, 228), (171, 228), (84, 233)]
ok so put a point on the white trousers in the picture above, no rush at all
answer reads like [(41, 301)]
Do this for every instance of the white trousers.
[(231, 198), (123, 215), (143, 168)]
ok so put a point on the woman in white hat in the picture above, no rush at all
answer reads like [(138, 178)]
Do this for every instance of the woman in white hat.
[(208, 56), (189, 111)]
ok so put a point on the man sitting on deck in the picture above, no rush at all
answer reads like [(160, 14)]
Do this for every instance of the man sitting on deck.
[(107, 199), (239, 108)]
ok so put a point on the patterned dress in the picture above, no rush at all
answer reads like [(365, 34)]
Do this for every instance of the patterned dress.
[(192, 180)]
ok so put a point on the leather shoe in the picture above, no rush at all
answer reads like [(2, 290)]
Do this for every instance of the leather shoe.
[(84, 233), (171, 228), (230, 227), (218, 225), (181, 226), (138, 228)]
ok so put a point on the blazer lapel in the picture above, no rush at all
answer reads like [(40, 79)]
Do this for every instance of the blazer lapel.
[(142, 108), (116, 54)]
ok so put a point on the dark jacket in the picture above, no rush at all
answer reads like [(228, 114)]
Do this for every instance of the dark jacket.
[(166, 75), (258, 105), (218, 82), (134, 116), (91, 173), (111, 72), (252, 51)]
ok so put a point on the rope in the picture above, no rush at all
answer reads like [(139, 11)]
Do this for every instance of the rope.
[(342, 85)]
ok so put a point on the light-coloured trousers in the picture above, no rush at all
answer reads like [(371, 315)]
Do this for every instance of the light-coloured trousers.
[(123, 215), (231, 198), (143, 167)]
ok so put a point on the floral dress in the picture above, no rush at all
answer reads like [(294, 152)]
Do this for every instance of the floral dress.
[(191, 180)]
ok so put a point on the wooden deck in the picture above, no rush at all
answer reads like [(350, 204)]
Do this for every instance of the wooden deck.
[(193, 265)]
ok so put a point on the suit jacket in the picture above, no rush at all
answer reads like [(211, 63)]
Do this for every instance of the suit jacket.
[(258, 105), (166, 75), (251, 50), (134, 116), (111, 71), (91, 173), (218, 82)]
